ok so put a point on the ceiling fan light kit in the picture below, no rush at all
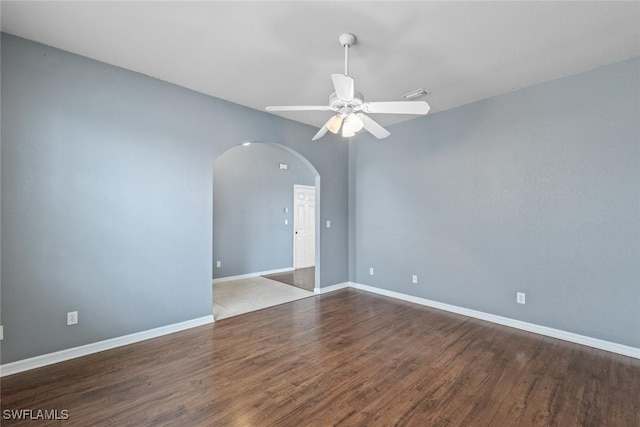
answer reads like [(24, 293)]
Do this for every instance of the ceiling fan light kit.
[(350, 107)]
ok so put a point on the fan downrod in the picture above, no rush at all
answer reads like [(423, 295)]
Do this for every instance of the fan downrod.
[(346, 40)]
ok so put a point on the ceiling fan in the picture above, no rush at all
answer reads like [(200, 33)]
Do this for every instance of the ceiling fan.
[(350, 106)]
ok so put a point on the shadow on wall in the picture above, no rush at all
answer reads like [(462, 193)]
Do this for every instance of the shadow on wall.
[(253, 208)]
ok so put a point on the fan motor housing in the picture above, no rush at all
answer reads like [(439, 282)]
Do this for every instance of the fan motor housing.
[(337, 103)]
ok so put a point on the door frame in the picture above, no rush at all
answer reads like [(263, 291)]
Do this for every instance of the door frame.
[(315, 222)]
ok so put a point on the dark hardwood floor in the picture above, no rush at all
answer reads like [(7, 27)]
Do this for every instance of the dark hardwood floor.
[(342, 358), (303, 278)]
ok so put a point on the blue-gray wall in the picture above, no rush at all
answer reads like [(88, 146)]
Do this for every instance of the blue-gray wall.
[(107, 197), (535, 191), (250, 194)]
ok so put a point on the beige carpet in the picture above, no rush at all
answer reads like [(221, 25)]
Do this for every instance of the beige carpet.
[(234, 297)]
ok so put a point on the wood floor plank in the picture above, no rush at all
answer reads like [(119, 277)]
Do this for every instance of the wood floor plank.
[(344, 358)]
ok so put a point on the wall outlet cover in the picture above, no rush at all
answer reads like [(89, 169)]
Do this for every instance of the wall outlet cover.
[(521, 298), (371, 271), (72, 318), (414, 279)]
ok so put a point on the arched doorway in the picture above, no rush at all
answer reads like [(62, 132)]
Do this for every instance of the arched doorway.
[(254, 214)]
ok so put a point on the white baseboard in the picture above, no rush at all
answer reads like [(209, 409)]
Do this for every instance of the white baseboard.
[(332, 288), (518, 324), (84, 350), (256, 274)]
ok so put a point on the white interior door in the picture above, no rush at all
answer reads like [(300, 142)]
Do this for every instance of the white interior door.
[(304, 226)]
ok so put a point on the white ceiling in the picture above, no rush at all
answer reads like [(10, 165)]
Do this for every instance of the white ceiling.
[(282, 53)]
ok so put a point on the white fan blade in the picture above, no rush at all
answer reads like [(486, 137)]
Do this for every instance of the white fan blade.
[(343, 86), (320, 133), (298, 108), (396, 107), (374, 128)]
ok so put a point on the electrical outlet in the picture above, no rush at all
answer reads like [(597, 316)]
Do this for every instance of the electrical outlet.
[(328, 224), (521, 298), (218, 264), (72, 318), (370, 271), (286, 222), (414, 279)]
